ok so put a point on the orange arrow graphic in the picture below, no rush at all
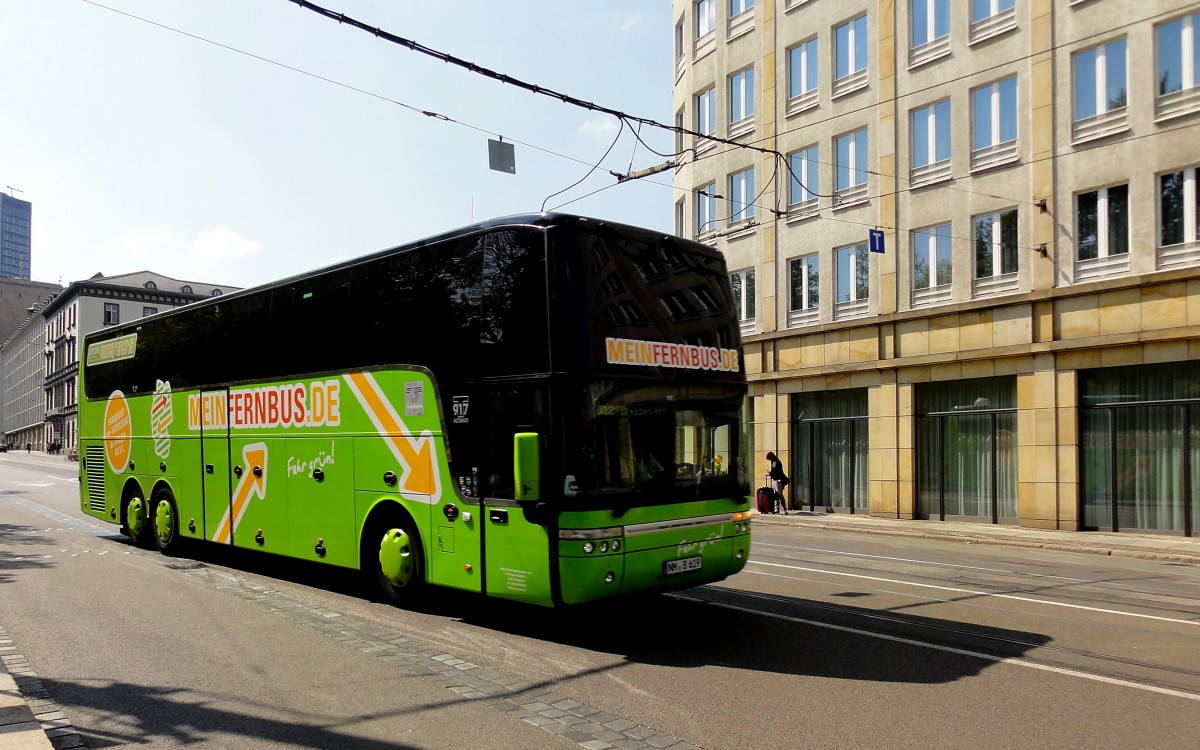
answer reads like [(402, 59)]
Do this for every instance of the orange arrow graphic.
[(415, 454), (249, 487)]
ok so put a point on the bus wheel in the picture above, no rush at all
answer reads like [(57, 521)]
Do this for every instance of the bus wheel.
[(397, 561), (165, 521), (136, 526)]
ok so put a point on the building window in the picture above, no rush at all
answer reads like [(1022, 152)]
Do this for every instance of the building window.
[(679, 42), (146, 311), (802, 75), (1178, 207), (738, 7), (850, 165), (150, 285), (741, 96), (996, 244), (853, 275), (850, 56), (1100, 93), (966, 450), (741, 196), (112, 314), (1102, 222), (679, 220), (186, 289), (706, 209), (805, 278), (830, 451), (706, 112), (706, 17), (994, 140), (805, 183), (217, 292), (1178, 52), (743, 294), (932, 262), (1138, 444), (982, 10), (931, 143), (930, 22)]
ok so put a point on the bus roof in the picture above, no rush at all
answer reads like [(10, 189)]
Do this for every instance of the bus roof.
[(543, 220)]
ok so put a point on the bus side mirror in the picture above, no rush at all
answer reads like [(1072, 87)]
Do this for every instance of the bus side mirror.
[(526, 466)]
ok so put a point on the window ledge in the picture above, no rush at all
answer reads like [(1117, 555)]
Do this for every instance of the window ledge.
[(929, 52), (1099, 126), (798, 212), (740, 25), (856, 309), (798, 318), (1177, 104), (740, 229), (850, 197), (929, 174), (847, 85), (790, 5), (991, 286), (704, 145), (993, 157), (748, 327), (1094, 268), (744, 126), (993, 26), (704, 45), (1183, 254), (680, 68), (935, 295), (806, 101)]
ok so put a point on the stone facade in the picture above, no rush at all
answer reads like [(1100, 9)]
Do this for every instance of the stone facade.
[(1057, 259)]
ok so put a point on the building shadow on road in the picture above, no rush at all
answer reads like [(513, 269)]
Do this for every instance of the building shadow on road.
[(141, 714), (13, 556)]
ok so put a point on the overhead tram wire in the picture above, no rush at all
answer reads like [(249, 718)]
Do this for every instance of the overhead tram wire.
[(418, 110)]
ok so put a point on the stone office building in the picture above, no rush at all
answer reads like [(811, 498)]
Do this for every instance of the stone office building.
[(1024, 350)]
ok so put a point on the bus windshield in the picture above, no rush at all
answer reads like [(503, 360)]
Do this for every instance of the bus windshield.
[(661, 441)]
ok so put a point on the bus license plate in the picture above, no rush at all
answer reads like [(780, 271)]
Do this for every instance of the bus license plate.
[(685, 565)]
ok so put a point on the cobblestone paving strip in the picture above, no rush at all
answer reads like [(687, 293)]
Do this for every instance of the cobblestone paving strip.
[(586, 726), (54, 722)]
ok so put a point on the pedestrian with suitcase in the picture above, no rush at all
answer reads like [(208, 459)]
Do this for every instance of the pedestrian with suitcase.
[(778, 481)]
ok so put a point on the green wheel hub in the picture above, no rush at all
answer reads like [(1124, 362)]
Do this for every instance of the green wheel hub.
[(164, 524), (135, 516), (397, 558)]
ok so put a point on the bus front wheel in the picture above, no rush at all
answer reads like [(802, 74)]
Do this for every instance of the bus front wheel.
[(395, 559), (165, 521)]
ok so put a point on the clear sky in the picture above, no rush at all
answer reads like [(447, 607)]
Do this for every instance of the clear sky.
[(142, 148)]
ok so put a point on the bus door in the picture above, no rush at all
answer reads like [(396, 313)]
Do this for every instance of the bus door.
[(214, 458), (516, 531)]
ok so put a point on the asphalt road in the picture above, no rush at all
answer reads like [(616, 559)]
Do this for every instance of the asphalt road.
[(827, 640)]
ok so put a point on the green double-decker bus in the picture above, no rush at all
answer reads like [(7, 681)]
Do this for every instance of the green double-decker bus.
[(544, 408)]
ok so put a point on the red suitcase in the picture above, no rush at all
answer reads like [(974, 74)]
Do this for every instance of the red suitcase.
[(765, 500)]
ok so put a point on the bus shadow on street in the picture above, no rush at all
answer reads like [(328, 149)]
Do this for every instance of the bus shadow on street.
[(717, 627), (701, 627)]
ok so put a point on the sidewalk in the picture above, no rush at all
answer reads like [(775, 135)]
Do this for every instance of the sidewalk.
[(19, 730), (1178, 549)]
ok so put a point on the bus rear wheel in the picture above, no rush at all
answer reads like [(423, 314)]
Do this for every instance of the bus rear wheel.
[(393, 558), (135, 521), (165, 522)]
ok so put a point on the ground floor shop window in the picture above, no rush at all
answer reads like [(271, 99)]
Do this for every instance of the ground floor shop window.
[(1140, 448), (829, 451), (966, 450)]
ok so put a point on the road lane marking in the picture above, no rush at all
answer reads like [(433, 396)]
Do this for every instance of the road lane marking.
[(956, 590), (953, 650), (923, 562)]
